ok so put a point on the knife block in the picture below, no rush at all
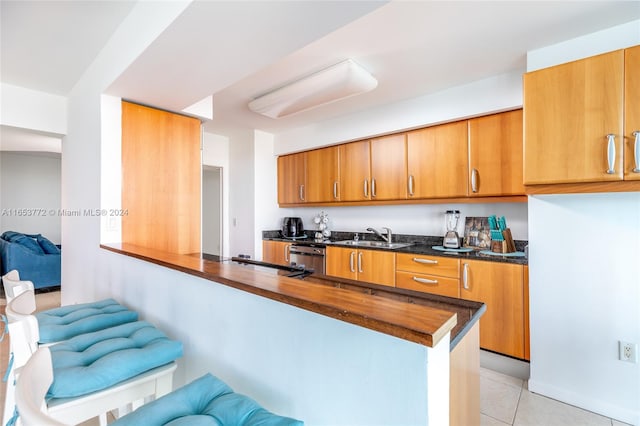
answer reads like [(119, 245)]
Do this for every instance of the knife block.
[(505, 245)]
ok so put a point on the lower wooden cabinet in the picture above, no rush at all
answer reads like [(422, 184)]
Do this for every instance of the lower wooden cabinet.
[(430, 274), (373, 266), (276, 252), (501, 287)]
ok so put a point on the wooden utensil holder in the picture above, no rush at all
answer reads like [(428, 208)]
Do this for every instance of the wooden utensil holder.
[(508, 245)]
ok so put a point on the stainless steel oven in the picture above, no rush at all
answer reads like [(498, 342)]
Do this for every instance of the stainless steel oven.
[(308, 257)]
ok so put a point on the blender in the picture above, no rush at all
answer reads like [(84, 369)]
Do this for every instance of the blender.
[(451, 239)]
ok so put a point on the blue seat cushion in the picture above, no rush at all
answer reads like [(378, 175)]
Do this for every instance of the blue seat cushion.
[(206, 401), (66, 322), (95, 361)]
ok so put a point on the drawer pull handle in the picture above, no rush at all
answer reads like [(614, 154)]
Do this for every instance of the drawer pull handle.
[(335, 190), (366, 188), (465, 276), (360, 262), (425, 261), (425, 281), (286, 252), (611, 153), (351, 262), (302, 192), (636, 151), (373, 187), (411, 185), (474, 180)]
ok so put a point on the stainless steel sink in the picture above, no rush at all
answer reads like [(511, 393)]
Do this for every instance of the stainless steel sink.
[(377, 244)]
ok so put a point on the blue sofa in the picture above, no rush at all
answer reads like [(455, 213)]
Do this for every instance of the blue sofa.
[(34, 257)]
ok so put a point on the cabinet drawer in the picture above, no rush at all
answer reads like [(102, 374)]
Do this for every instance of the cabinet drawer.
[(428, 283), (434, 265)]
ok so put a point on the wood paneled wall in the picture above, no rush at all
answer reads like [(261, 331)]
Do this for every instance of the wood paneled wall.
[(161, 179)]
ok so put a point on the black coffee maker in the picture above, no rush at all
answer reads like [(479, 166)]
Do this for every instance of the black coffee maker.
[(292, 227)]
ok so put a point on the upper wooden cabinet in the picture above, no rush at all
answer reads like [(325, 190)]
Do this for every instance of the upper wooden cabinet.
[(292, 178), (389, 168), (323, 175), (569, 111), (355, 171), (437, 161), (632, 113), (495, 155)]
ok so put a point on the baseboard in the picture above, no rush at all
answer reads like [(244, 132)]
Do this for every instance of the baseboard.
[(590, 404), (504, 364)]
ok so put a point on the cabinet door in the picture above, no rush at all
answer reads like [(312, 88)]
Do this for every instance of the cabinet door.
[(438, 161), (377, 267), (389, 168), (495, 155), (355, 174), (323, 175), (275, 252), (341, 262), (500, 287), (569, 110), (632, 113), (291, 178)]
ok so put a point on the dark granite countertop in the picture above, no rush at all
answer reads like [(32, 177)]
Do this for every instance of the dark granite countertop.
[(420, 245)]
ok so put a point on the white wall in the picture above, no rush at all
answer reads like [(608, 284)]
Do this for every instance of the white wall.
[(242, 207), (30, 181), (585, 280), (32, 109)]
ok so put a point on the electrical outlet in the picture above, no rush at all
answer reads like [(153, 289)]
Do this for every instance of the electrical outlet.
[(628, 351)]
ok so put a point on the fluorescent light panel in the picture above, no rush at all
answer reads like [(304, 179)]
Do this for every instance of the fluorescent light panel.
[(339, 81)]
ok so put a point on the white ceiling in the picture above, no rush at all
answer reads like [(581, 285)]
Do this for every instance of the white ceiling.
[(238, 50)]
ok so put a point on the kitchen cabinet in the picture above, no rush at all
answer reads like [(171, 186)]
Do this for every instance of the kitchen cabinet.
[(632, 113), (373, 266), (437, 161), (389, 167), (323, 175), (501, 287), (495, 155), (374, 170), (292, 178), (276, 252), (355, 171), (569, 111), (429, 274)]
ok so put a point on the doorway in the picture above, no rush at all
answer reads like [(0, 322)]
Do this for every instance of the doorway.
[(212, 210)]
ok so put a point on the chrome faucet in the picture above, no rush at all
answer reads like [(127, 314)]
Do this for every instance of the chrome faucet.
[(386, 238)]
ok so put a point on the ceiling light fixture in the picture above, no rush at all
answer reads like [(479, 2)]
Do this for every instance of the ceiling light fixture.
[(336, 82)]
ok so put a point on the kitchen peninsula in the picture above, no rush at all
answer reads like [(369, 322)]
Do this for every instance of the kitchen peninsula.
[(416, 328)]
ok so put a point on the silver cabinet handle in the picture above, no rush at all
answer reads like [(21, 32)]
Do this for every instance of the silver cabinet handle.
[(351, 265), (474, 180), (411, 185), (426, 261), (611, 153), (286, 252), (425, 281), (302, 192), (360, 262), (373, 187), (465, 276), (636, 151), (366, 188), (335, 190)]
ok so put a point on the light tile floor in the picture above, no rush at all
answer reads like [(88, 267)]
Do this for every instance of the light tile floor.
[(504, 400)]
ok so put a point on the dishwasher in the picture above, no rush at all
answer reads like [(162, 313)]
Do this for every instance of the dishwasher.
[(307, 256)]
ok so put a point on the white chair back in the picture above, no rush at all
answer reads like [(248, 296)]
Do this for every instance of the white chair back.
[(13, 286), (23, 328), (32, 387)]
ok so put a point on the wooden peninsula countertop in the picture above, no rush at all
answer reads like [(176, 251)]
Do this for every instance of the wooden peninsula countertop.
[(417, 317)]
